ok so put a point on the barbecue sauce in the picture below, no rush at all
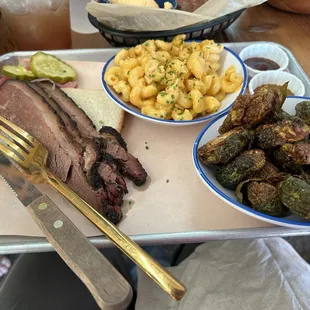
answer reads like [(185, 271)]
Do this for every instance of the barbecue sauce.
[(261, 64)]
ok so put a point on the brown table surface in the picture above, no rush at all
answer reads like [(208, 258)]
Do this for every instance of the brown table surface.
[(265, 23)]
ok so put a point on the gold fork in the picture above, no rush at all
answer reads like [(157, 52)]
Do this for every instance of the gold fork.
[(31, 156)]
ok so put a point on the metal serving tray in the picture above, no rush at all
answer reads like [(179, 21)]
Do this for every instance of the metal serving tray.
[(22, 244)]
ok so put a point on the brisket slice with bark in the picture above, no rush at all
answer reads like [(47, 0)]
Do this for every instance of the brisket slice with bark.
[(69, 123), (91, 147), (108, 180), (127, 163), (27, 109), (112, 142), (83, 122), (89, 162)]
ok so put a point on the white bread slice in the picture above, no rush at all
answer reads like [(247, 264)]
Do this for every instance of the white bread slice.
[(98, 107)]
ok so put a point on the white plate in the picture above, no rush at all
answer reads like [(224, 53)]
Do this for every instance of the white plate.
[(228, 58), (207, 174)]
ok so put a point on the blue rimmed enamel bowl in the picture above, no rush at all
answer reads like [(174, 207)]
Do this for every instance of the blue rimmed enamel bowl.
[(228, 58), (207, 174)]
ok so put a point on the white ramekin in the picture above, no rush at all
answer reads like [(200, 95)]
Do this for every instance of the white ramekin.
[(264, 50), (295, 85)]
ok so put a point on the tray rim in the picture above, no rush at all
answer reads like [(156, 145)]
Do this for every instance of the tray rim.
[(30, 244)]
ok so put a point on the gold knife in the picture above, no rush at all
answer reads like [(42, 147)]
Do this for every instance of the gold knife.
[(106, 284)]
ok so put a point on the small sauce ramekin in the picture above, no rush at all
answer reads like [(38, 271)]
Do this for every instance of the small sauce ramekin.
[(267, 51)]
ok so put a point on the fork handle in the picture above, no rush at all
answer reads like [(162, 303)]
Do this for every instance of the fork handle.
[(108, 287), (154, 270)]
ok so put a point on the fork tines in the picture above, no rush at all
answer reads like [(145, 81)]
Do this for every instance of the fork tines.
[(14, 141)]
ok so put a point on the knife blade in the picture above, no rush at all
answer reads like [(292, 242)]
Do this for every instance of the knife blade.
[(108, 287), (25, 191)]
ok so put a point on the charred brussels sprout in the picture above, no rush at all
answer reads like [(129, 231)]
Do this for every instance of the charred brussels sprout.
[(270, 173), (298, 153), (272, 135), (240, 168), (285, 163), (225, 147), (295, 194), (236, 114), (303, 111), (260, 196), (277, 116), (249, 111)]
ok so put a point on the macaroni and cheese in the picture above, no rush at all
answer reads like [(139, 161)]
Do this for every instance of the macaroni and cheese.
[(173, 80)]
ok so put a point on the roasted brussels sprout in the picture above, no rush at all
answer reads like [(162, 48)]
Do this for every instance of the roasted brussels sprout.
[(236, 114), (298, 153), (295, 194), (260, 196), (249, 111), (303, 111), (271, 135), (225, 147), (269, 173), (285, 163), (277, 116), (241, 168)]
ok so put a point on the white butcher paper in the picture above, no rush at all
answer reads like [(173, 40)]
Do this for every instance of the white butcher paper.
[(136, 18)]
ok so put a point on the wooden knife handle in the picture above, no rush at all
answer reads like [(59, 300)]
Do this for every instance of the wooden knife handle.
[(106, 284)]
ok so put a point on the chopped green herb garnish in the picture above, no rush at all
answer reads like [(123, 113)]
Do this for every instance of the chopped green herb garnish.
[(172, 96), (101, 122), (162, 93)]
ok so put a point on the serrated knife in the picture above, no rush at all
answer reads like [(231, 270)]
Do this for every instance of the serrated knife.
[(106, 284)]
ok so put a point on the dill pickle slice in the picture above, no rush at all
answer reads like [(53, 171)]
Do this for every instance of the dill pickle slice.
[(18, 72), (48, 66)]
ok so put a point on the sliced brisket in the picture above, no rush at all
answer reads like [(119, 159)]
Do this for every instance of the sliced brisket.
[(115, 145), (69, 123), (28, 110), (23, 106), (84, 123), (128, 164), (88, 161)]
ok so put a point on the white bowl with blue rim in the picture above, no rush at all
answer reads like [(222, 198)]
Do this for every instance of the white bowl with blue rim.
[(228, 58), (207, 174)]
